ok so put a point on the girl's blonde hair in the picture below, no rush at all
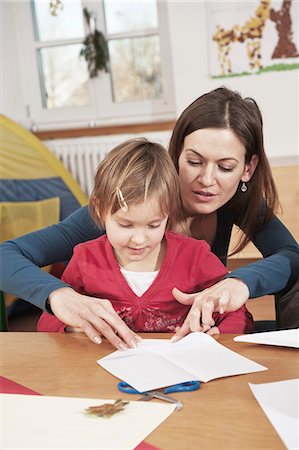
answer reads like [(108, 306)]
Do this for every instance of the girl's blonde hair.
[(131, 173)]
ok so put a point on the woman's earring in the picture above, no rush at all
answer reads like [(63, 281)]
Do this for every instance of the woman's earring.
[(243, 187)]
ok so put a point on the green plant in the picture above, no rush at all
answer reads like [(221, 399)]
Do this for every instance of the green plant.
[(95, 48)]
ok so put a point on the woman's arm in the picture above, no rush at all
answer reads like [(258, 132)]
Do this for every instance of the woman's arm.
[(225, 296), (280, 266), (21, 276), (21, 258), (278, 269)]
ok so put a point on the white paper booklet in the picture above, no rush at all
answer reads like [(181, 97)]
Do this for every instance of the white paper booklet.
[(35, 422), (157, 363), (284, 338), (279, 402)]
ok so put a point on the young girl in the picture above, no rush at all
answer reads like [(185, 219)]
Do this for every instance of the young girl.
[(138, 262)]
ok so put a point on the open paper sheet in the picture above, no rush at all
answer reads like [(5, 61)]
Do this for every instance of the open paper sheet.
[(284, 338), (157, 363), (279, 402), (37, 422)]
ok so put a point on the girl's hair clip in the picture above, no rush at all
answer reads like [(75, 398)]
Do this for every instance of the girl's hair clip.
[(123, 205)]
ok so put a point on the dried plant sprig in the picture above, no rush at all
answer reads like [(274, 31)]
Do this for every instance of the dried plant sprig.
[(54, 6), (95, 48), (107, 410)]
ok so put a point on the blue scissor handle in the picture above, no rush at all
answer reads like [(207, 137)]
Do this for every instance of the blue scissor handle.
[(125, 387), (187, 386)]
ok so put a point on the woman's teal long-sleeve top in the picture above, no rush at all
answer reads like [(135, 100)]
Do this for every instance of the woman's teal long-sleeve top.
[(19, 258)]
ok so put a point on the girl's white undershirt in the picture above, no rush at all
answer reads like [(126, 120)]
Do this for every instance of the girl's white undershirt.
[(139, 282)]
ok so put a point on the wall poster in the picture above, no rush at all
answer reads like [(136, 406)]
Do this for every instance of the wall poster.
[(252, 37)]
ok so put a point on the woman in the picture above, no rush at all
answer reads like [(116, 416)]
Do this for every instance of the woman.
[(225, 179)]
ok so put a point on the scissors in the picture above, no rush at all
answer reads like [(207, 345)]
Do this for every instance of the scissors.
[(161, 395)]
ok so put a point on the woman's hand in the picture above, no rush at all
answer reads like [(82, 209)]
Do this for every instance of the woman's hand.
[(226, 296), (95, 317), (213, 331)]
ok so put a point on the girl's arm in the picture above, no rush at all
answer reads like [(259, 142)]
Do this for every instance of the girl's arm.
[(280, 266), (48, 323), (19, 258), (236, 322)]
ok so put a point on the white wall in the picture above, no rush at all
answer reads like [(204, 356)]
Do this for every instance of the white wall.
[(13, 92), (275, 92)]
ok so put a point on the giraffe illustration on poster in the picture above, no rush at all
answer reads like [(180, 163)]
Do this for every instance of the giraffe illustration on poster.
[(248, 37), (250, 34)]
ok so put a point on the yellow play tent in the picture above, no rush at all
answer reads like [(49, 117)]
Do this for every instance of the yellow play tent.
[(32, 180), (36, 190)]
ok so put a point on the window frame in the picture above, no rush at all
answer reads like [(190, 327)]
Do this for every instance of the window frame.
[(102, 111)]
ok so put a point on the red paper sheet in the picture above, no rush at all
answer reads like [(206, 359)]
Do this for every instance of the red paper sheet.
[(11, 387), (145, 446)]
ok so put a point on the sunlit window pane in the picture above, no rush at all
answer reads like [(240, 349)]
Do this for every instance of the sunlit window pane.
[(130, 16), (136, 68), (67, 24), (64, 77)]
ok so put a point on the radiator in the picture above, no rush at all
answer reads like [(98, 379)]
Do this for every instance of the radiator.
[(81, 156)]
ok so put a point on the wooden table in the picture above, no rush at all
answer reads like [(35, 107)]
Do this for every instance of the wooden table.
[(223, 414)]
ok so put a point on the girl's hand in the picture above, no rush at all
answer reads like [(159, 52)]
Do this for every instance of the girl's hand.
[(226, 296), (95, 317)]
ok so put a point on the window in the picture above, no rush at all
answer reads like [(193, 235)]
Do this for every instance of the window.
[(60, 93), (135, 59), (63, 76)]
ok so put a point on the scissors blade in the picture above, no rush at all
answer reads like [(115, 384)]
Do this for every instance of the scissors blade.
[(159, 395), (145, 398)]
